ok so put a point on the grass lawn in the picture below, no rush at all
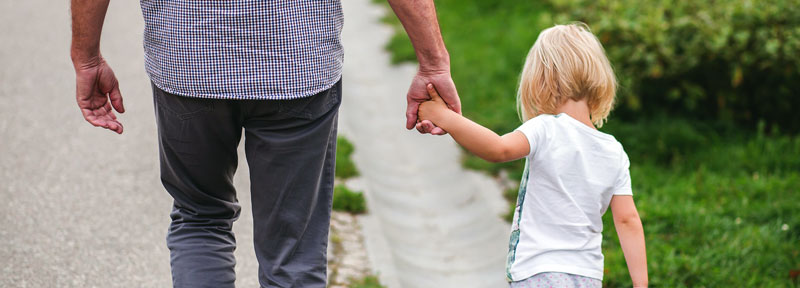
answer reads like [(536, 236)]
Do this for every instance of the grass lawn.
[(724, 215), (720, 207)]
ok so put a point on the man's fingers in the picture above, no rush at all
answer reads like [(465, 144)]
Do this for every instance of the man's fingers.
[(96, 122), (419, 128), (438, 131), (115, 126), (107, 121), (116, 99), (411, 114), (448, 92), (106, 112), (427, 126)]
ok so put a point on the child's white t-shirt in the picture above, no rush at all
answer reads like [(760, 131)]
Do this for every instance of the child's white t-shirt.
[(572, 172)]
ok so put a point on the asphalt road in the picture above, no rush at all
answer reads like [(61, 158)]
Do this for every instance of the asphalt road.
[(81, 206), (432, 223)]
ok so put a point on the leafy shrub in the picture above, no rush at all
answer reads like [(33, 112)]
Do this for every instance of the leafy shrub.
[(760, 153), (348, 201), (345, 168), (663, 140), (727, 60), (681, 144)]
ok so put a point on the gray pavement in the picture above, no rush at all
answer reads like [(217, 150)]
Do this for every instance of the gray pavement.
[(431, 222), (83, 207)]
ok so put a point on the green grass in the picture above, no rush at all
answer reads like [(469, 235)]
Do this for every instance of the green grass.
[(370, 281), (488, 42), (709, 228), (345, 199), (719, 209), (725, 215), (345, 168), (348, 201), (714, 200)]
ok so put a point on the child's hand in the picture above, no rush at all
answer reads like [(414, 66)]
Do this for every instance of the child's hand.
[(434, 109)]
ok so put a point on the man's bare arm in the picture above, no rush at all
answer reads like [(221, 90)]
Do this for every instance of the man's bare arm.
[(87, 24), (97, 89), (419, 20)]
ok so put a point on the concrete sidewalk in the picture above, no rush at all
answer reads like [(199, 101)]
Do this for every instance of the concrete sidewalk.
[(432, 223), (83, 207)]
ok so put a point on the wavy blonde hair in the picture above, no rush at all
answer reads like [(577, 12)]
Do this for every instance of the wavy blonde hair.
[(566, 62)]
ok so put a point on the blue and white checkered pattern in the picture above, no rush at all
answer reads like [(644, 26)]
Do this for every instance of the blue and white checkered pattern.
[(243, 49)]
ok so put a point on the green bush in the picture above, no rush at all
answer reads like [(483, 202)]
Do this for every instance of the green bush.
[(345, 168), (679, 143), (662, 140), (348, 201), (722, 60)]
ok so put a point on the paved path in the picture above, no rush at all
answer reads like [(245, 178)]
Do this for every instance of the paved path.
[(83, 207), (432, 223)]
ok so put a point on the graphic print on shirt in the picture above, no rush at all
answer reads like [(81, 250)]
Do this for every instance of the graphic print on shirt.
[(514, 239)]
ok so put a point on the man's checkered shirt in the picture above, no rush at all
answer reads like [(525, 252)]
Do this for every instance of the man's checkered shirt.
[(243, 49)]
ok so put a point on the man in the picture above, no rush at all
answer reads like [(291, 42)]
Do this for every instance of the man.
[(272, 68)]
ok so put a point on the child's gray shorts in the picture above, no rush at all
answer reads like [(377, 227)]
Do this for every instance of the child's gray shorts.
[(558, 280)]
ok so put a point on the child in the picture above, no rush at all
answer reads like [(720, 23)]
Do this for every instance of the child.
[(573, 171)]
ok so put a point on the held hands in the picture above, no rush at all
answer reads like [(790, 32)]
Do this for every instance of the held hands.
[(97, 91), (418, 93), (434, 110)]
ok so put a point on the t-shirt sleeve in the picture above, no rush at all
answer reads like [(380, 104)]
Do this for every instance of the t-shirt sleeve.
[(623, 183), (534, 130)]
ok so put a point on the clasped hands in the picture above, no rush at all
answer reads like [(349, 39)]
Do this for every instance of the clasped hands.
[(430, 92)]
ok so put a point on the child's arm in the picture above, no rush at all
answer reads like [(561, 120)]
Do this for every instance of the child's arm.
[(631, 237), (477, 139)]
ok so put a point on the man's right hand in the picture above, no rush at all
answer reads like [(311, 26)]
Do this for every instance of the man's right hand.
[(418, 93), (97, 91), (419, 19)]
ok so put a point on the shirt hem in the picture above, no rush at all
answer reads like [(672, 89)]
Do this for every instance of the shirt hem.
[(246, 97), (586, 272)]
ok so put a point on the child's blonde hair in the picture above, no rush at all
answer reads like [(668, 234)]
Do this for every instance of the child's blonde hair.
[(566, 62)]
